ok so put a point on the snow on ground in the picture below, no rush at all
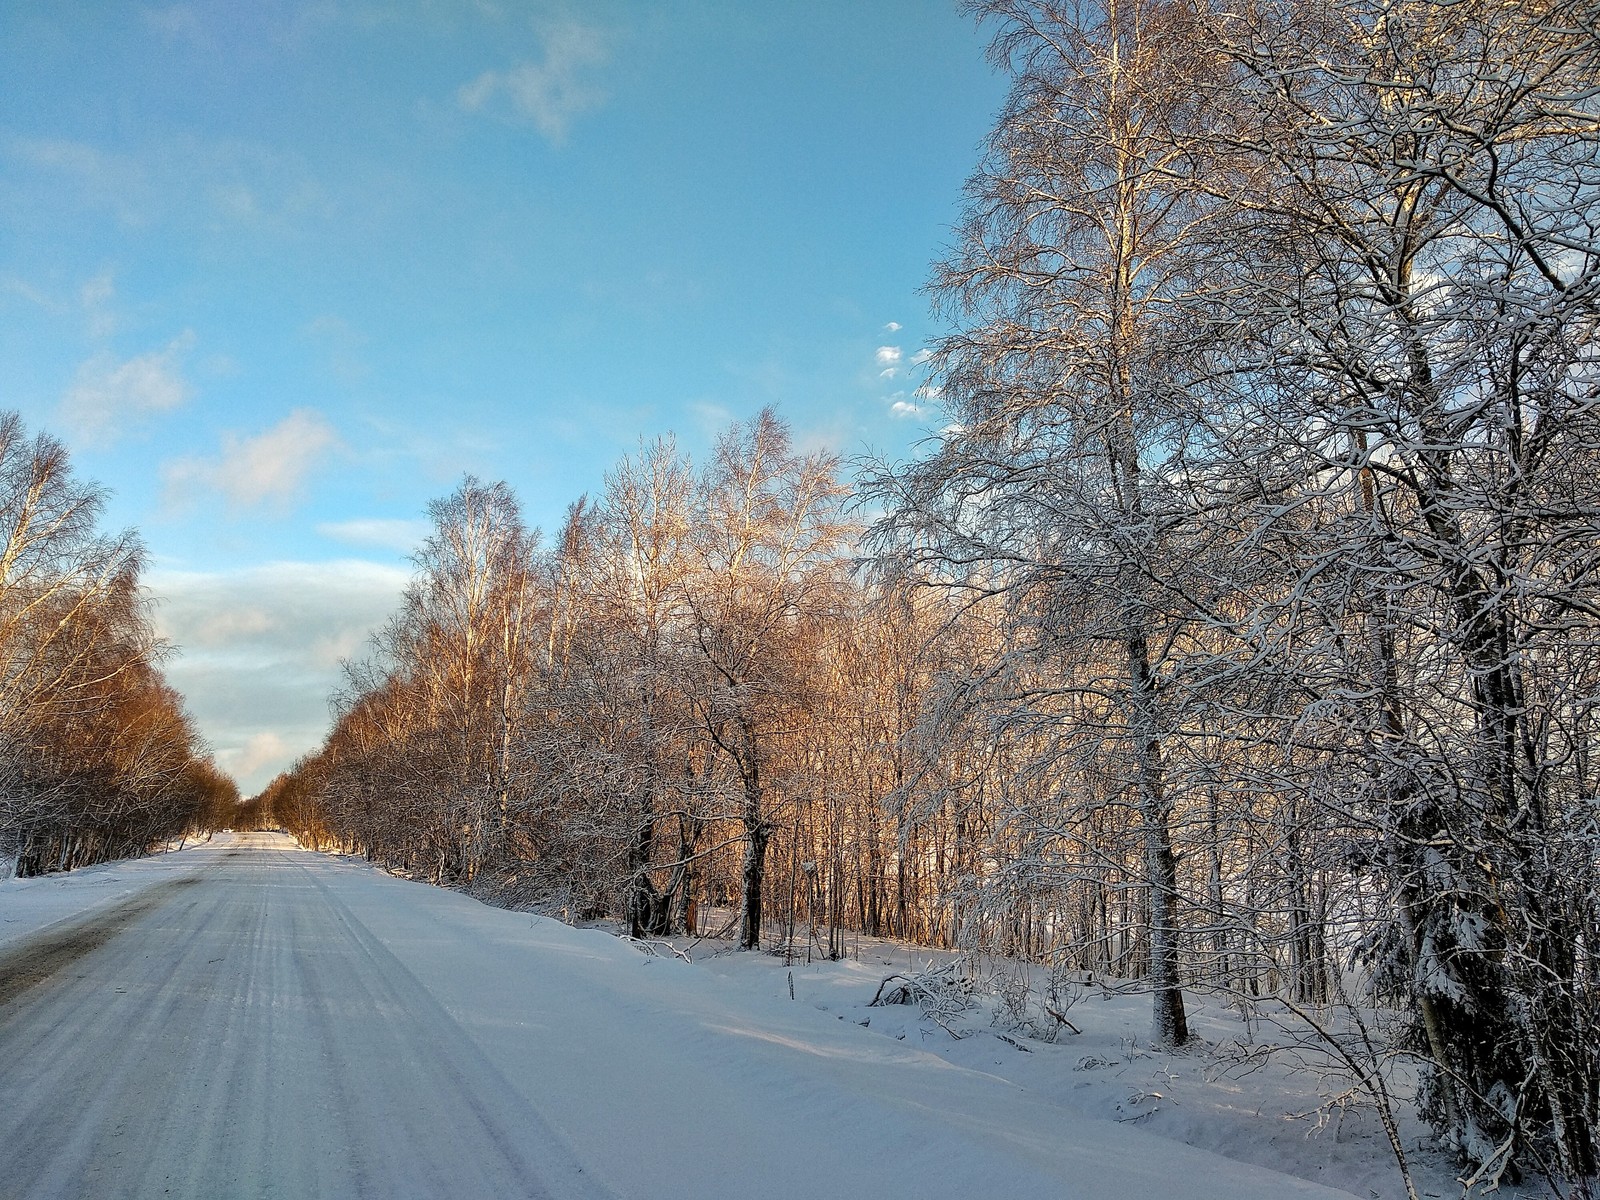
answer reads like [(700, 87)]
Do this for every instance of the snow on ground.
[(29, 905), (1254, 1086), (675, 1083), (664, 1078)]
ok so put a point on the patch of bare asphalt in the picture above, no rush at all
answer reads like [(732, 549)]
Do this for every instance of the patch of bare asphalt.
[(35, 960)]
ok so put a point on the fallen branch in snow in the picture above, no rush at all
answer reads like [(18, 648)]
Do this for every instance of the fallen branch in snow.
[(942, 993), (1060, 1020), (655, 949), (900, 995), (721, 933), (935, 984)]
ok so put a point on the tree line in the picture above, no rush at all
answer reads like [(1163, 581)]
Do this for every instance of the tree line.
[(98, 759), (1238, 631)]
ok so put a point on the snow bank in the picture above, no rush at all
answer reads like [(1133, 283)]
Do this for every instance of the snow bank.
[(29, 905)]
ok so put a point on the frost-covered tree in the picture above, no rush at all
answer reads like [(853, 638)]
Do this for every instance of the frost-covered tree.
[(421, 762), (612, 698), (768, 536), (1273, 431), (1421, 239), (1063, 479), (97, 758)]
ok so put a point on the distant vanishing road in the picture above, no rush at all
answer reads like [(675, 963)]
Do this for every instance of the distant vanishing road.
[(248, 1019)]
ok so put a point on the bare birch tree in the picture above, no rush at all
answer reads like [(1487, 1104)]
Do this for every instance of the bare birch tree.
[(1425, 271), (1074, 284), (97, 758), (767, 533)]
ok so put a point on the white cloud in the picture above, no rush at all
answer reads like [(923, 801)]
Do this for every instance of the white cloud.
[(551, 92), (271, 612), (95, 298), (887, 356), (258, 650), (237, 201), (228, 625), (98, 291), (255, 186), (388, 533), (900, 406), (920, 357), (15, 285), (712, 418), (176, 21), (93, 301), (107, 395), (260, 750), (893, 326), (270, 467)]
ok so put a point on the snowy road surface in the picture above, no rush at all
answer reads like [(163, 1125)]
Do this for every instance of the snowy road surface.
[(247, 1019)]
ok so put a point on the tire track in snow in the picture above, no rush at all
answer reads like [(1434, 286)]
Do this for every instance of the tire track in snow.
[(245, 1036), (42, 955)]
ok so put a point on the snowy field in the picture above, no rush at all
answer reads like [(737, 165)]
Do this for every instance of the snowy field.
[(1255, 1085), (266, 1021)]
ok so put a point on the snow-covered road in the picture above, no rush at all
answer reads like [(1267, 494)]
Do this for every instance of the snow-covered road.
[(248, 1019)]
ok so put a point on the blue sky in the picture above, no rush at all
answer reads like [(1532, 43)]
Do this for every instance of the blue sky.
[(281, 271)]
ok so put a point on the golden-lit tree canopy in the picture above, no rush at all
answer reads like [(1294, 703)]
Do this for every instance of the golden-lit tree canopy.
[(1238, 631), (97, 758)]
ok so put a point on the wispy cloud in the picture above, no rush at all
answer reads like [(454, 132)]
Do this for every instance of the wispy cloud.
[(260, 751), (710, 417), (95, 297), (242, 183), (892, 327), (108, 396), (903, 407), (270, 467), (386, 533), (95, 178), (15, 285), (551, 92), (258, 651), (249, 184), (176, 21)]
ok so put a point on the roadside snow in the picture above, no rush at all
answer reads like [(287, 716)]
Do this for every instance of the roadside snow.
[(670, 1079), (1253, 1086), (29, 905), (674, 1083)]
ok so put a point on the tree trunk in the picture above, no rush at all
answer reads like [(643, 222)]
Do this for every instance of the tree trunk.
[(1169, 1026), (756, 835)]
